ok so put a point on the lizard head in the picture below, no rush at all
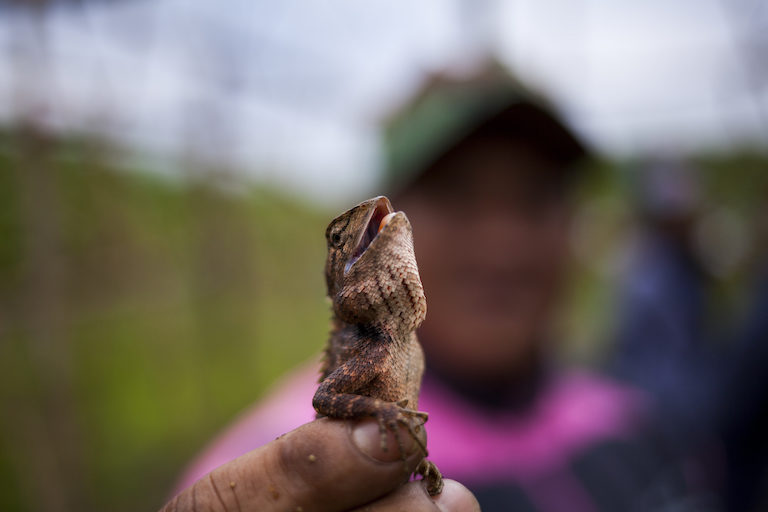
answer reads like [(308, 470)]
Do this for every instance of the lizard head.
[(371, 270)]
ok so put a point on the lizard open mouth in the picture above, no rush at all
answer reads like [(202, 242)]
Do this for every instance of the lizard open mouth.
[(380, 216)]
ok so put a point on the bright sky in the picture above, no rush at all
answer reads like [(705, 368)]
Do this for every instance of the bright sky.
[(290, 91)]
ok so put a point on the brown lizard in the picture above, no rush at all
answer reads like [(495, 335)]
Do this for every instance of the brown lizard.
[(373, 361)]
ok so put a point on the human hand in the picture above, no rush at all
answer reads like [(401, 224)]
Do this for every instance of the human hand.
[(325, 465)]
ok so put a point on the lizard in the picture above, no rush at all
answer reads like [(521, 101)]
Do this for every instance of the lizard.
[(373, 362)]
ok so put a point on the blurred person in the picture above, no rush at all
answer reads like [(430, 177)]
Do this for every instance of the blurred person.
[(708, 381), (486, 173), (663, 341)]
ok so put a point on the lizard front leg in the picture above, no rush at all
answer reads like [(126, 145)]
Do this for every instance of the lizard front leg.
[(337, 398)]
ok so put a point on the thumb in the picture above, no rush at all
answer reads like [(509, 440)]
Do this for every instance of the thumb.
[(325, 465)]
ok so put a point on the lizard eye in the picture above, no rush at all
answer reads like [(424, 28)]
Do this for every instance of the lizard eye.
[(336, 239)]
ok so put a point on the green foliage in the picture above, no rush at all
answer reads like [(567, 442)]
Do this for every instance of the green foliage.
[(139, 315)]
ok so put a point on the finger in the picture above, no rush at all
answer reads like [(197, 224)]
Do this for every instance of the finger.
[(413, 497), (325, 465), (456, 498)]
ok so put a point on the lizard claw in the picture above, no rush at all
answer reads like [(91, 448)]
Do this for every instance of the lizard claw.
[(399, 415), (414, 431), (416, 414)]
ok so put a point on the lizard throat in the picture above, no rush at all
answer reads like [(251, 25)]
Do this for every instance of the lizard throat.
[(377, 221)]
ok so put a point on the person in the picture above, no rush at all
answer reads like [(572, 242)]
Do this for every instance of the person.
[(663, 343), (486, 172), (703, 366), (661, 332)]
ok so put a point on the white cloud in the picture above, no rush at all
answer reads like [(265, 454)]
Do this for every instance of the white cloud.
[(290, 90)]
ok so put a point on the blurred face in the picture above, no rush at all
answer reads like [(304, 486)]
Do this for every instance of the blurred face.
[(491, 233)]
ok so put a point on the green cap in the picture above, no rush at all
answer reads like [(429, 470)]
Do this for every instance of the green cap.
[(446, 111)]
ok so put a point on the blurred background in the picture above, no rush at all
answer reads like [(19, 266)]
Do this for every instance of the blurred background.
[(167, 170)]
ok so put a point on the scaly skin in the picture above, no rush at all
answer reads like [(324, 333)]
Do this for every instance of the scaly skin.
[(373, 362)]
